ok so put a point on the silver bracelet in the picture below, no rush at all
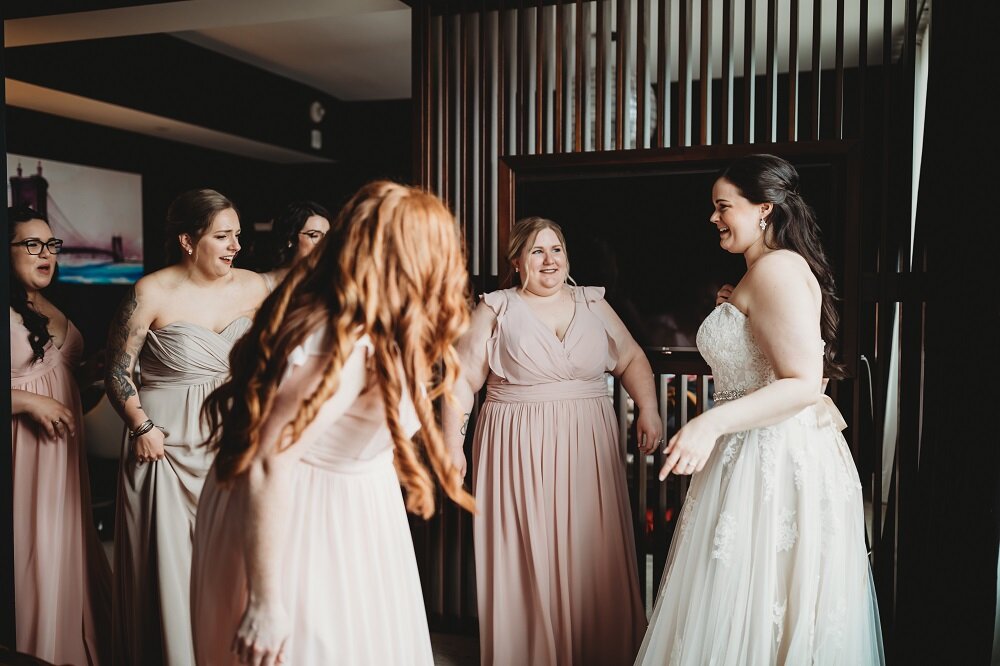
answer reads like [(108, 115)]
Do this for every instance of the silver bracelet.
[(146, 426)]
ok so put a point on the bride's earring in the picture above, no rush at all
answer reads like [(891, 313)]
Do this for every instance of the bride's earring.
[(763, 224)]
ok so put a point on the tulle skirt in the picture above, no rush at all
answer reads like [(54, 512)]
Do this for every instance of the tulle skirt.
[(768, 563)]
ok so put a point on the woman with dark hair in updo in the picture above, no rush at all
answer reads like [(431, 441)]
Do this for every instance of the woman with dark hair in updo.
[(296, 232), (62, 577), (180, 323), (768, 564)]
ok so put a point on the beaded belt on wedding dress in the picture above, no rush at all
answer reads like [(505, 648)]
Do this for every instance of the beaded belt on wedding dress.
[(824, 410), (726, 396)]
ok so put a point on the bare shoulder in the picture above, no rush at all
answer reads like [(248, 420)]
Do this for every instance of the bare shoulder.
[(251, 285), (781, 260), (781, 276), (779, 268), (152, 288), (249, 279)]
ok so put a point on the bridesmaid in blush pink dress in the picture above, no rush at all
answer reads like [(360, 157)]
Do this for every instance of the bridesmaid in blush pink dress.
[(302, 550), (62, 581), (556, 566)]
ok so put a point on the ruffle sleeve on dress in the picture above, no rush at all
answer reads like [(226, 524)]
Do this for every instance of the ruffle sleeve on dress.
[(496, 301), (594, 295), (313, 346)]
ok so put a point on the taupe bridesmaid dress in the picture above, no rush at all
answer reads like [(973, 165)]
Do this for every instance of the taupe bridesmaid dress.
[(555, 555), (180, 365)]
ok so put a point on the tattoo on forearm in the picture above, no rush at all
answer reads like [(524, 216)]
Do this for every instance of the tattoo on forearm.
[(465, 422), (119, 378)]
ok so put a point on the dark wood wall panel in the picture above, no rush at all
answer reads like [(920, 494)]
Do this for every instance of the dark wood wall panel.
[(771, 101), (621, 38), (705, 52), (749, 71), (726, 100), (793, 71), (816, 72), (684, 74), (662, 74)]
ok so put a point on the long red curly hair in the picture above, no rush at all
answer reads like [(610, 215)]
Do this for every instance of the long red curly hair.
[(392, 266)]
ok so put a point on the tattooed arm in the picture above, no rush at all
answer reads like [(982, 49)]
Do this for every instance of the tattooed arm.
[(472, 355), (125, 340)]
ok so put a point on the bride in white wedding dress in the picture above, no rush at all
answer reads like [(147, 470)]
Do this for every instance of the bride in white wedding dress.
[(768, 564)]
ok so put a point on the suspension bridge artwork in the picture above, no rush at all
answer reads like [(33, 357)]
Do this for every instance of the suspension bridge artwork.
[(96, 212)]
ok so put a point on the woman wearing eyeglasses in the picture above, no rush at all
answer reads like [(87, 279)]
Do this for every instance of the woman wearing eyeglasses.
[(62, 592), (296, 231)]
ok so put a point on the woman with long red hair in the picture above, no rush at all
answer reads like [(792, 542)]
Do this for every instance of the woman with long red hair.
[(302, 548)]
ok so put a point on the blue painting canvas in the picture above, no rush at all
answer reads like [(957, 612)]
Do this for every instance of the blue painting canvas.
[(96, 212)]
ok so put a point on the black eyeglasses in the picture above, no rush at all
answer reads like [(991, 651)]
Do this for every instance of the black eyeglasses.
[(34, 246), (313, 235)]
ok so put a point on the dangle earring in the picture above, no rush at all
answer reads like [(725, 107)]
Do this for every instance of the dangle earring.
[(763, 224), (190, 251)]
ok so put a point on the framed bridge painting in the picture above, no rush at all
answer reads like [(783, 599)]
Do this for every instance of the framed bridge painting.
[(96, 212)]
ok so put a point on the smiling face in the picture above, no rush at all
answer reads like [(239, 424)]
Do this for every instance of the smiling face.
[(312, 232), (34, 271), (543, 263), (737, 218), (216, 249)]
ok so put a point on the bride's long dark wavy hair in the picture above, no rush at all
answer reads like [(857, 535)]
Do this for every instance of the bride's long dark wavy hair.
[(36, 323), (769, 179)]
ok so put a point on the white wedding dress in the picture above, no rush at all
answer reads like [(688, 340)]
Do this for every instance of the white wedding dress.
[(768, 564)]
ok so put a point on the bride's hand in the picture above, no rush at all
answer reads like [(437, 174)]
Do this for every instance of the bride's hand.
[(260, 640), (688, 450), (722, 296)]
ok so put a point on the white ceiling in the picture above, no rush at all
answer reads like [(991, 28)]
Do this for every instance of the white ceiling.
[(351, 49)]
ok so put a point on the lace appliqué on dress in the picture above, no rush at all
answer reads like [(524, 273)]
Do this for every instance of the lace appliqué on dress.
[(788, 531), (799, 461), (778, 617), (726, 342), (832, 632), (734, 443), (725, 531), (675, 654), (768, 460), (690, 504)]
